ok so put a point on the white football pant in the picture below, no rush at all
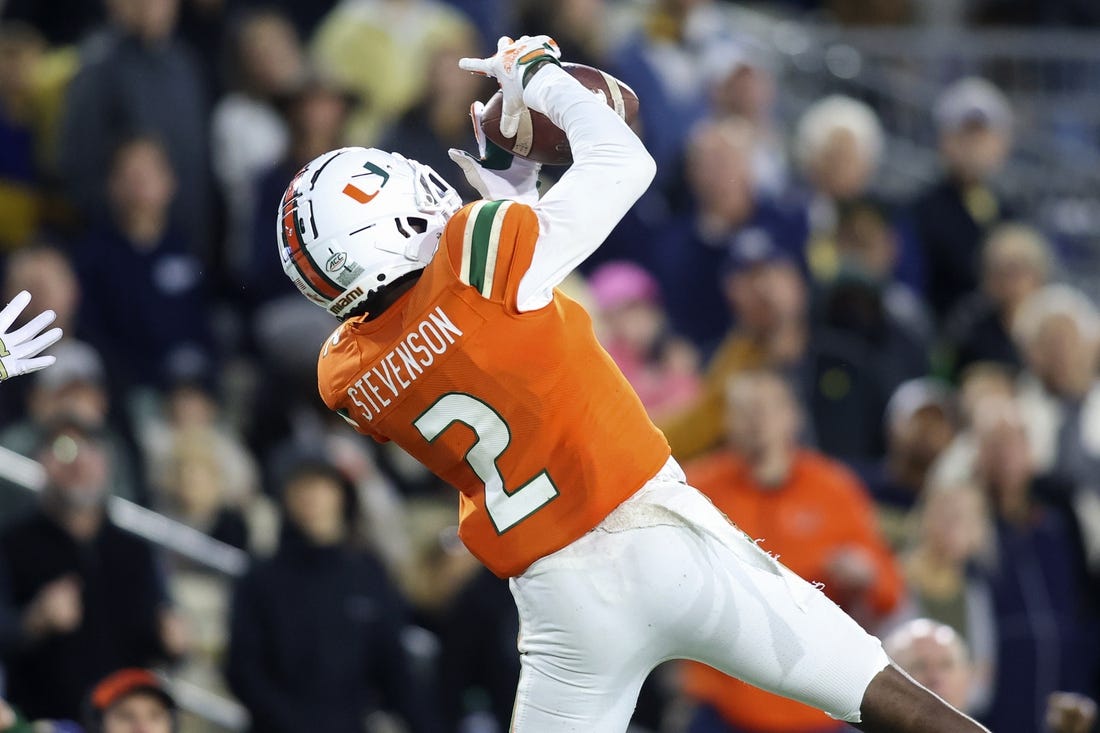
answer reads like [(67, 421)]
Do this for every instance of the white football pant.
[(666, 576)]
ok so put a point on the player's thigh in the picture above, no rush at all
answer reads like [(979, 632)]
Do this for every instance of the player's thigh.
[(587, 637), (553, 697), (756, 620)]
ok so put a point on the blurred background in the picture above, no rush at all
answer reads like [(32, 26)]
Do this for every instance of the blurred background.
[(860, 299)]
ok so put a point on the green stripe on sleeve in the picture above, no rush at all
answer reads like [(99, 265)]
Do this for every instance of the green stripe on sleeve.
[(479, 243)]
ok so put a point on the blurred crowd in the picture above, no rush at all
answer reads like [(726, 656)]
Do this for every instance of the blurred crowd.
[(899, 398)]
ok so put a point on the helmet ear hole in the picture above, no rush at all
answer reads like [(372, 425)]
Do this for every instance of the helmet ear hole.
[(410, 226)]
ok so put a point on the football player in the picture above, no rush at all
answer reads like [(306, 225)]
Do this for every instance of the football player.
[(20, 349), (456, 346)]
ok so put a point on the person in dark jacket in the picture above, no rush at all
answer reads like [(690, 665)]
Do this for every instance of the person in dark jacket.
[(1016, 263), (1035, 571), (144, 304), (137, 79), (315, 632), (953, 217), (78, 596)]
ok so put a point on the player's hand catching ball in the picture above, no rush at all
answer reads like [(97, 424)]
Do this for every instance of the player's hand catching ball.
[(513, 65), (497, 174)]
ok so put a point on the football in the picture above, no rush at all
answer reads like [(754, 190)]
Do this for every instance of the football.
[(538, 138)]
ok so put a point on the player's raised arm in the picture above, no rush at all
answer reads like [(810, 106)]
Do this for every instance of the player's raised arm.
[(611, 168)]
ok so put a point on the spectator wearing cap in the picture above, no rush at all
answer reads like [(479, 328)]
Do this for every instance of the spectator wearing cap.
[(74, 387), (136, 79), (131, 700), (726, 206), (920, 424), (144, 302), (316, 631), (1015, 263), (953, 217), (766, 294), (78, 596), (662, 367), (814, 514)]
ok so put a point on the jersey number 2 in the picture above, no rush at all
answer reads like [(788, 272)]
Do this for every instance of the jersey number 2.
[(506, 508)]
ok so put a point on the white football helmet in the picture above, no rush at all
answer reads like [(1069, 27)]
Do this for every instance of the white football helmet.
[(356, 219)]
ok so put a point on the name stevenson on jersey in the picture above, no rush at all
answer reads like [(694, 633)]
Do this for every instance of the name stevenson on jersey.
[(415, 352)]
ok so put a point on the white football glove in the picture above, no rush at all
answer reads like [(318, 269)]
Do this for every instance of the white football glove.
[(513, 65), (19, 349), (497, 174)]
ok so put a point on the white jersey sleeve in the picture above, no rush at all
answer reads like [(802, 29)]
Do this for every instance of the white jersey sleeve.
[(611, 170)]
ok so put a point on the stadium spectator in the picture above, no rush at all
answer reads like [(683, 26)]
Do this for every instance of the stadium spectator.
[(767, 296), (131, 701), (316, 111), (1058, 333), (867, 247), (741, 84), (136, 80), (1016, 262), (838, 146), (950, 534), (196, 485), (920, 424), (248, 134), (662, 367), (78, 596), (866, 345), (315, 632), (1035, 573), (953, 216), (727, 207), (813, 514), (441, 119), (935, 656), (21, 201), (478, 663), (74, 387), (661, 63), (978, 382), (383, 51), (45, 272), (141, 247)]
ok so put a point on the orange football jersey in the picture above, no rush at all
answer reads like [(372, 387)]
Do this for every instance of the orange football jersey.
[(523, 412)]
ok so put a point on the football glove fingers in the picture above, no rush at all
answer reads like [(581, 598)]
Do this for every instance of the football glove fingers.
[(19, 349), (513, 65), (518, 182)]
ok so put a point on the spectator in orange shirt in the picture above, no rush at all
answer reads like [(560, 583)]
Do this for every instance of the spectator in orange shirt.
[(810, 511)]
